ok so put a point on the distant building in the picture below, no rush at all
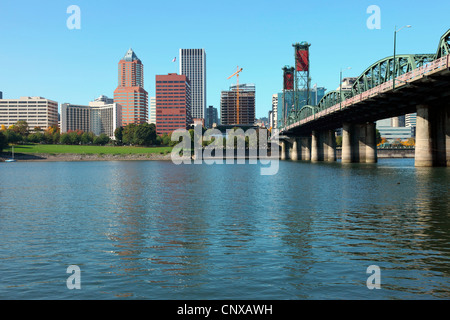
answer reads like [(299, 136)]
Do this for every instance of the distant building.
[(193, 65), (36, 111), (130, 93), (1, 95), (199, 121), (274, 117), (347, 84), (228, 105), (173, 103), (393, 133), (211, 117), (316, 95), (98, 117), (394, 128), (410, 120), (152, 118)]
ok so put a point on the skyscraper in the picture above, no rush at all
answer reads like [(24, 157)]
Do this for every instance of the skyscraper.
[(193, 65), (228, 105), (211, 117), (173, 103), (130, 93)]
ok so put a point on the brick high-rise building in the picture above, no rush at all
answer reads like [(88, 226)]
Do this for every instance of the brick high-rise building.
[(173, 103), (130, 93)]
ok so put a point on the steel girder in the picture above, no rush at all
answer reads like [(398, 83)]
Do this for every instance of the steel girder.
[(383, 70), (444, 45)]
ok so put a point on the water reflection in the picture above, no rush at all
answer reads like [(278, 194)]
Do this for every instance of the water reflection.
[(158, 231)]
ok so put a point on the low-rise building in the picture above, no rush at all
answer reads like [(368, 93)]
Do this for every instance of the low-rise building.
[(36, 111)]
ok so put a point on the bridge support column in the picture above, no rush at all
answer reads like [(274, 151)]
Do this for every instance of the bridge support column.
[(447, 134), (294, 150), (347, 143), (371, 143), (283, 150), (431, 136), (359, 143), (305, 148), (329, 146), (315, 137)]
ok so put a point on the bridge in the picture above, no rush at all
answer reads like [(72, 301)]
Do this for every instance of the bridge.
[(390, 87)]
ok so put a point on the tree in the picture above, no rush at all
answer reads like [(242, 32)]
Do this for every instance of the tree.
[(75, 137), (65, 139), (339, 141), (12, 136), (128, 134), (378, 137), (101, 140), (21, 127), (87, 138), (145, 134), (118, 134), (3, 141)]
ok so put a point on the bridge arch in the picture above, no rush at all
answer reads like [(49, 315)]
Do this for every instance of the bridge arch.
[(444, 45), (307, 111), (383, 70), (332, 98)]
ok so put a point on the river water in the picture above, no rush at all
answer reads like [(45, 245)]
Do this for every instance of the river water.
[(155, 230)]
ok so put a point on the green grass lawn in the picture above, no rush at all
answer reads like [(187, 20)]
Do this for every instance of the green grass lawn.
[(57, 149)]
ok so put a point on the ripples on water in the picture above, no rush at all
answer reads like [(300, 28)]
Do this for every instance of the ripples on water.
[(153, 230)]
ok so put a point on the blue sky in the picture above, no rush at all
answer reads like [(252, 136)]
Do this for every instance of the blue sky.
[(40, 56)]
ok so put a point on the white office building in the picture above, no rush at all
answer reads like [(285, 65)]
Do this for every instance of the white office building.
[(193, 65), (36, 111), (98, 117), (274, 117), (152, 118)]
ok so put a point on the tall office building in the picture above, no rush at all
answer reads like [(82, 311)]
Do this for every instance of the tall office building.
[(100, 116), (211, 117), (193, 65), (173, 103), (152, 118), (130, 93), (1, 95), (274, 116), (228, 105), (36, 111)]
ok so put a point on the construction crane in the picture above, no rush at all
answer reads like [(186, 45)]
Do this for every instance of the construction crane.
[(237, 92)]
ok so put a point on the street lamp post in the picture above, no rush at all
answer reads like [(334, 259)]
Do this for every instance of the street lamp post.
[(394, 71), (340, 89)]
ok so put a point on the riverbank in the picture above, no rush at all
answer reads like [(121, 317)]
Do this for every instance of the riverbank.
[(68, 157)]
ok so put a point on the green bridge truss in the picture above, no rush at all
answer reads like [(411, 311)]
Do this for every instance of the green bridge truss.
[(378, 73)]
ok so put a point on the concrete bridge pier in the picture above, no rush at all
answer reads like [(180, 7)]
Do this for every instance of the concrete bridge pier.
[(283, 150), (359, 143), (329, 146), (293, 150), (447, 134), (347, 148), (315, 146), (305, 148), (432, 136)]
